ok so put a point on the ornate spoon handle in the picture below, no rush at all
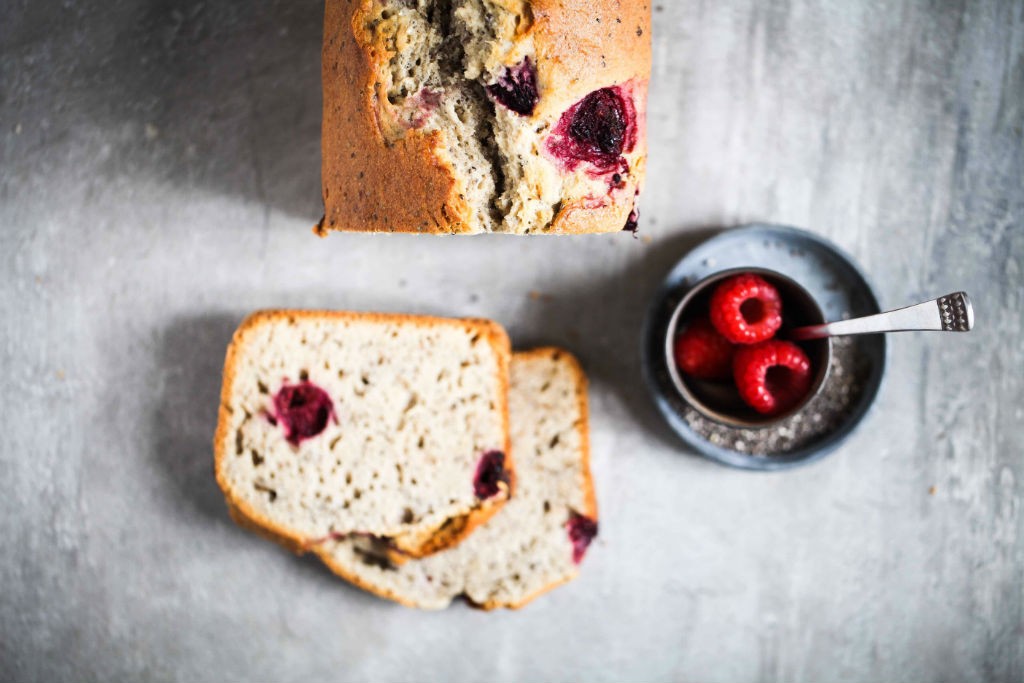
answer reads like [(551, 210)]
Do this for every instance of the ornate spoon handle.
[(950, 313)]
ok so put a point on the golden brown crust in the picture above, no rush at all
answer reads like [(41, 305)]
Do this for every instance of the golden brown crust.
[(369, 184), (242, 520), (239, 509), (375, 185), (356, 580), (543, 590)]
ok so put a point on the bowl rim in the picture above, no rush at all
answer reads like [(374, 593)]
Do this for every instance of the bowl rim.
[(821, 374)]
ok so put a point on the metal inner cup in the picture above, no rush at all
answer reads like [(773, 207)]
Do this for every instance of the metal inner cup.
[(720, 401)]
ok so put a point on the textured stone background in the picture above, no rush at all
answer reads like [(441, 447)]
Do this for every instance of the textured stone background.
[(158, 178)]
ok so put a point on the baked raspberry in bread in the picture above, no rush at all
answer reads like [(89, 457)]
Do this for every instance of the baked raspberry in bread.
[(538, 539), (389, 427), (469, 116)]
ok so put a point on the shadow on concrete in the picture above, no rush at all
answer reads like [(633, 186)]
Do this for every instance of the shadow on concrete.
[(220, 95), (191, 359)]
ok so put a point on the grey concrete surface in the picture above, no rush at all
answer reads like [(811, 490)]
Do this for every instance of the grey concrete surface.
[(158, 179)]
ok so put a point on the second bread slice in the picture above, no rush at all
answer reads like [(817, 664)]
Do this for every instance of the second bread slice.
[(538, 539), (390, 427)]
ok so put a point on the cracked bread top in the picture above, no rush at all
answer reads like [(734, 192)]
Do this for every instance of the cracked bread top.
[(467, 116), (335, 424), (539, 537)]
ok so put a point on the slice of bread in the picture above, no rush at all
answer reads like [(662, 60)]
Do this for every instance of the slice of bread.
[(470, 116), (538, 538), (390, 427)]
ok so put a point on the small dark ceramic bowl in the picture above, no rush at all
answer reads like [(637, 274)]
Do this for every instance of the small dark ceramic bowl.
[(837, 286), (720, 401)]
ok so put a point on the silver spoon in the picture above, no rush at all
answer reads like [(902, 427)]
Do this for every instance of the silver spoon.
[(950, 313)]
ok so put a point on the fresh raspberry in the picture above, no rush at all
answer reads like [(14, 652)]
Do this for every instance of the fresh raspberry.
[(702, 352), (772, 376), (746, 309)]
